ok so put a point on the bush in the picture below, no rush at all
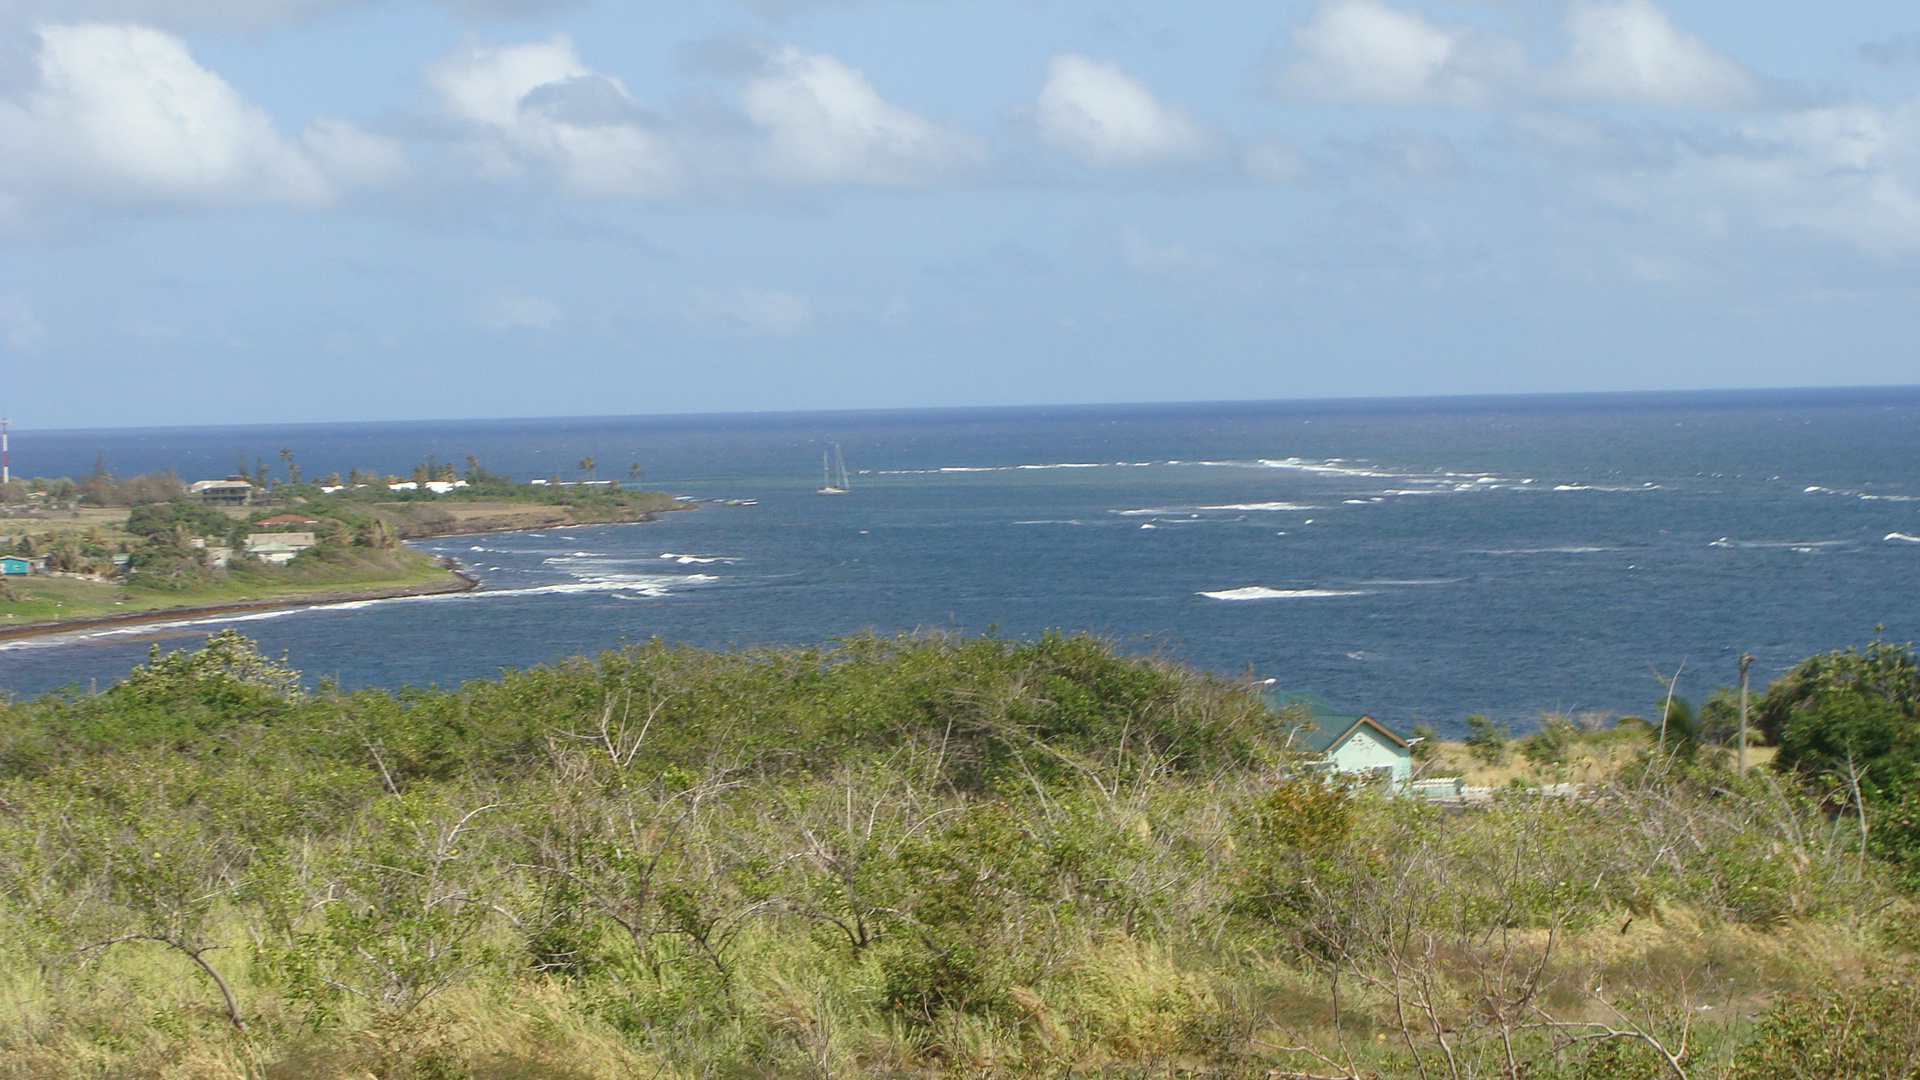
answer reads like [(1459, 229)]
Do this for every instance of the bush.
[(1864, 1031), (1486, 740)]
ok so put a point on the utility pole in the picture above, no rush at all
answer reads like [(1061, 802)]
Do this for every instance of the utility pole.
[(1746, 661)]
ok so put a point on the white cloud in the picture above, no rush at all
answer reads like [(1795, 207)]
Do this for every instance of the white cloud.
[(1366, 53), (351, 157), (1618, 51), (122, 116), (1629, 51), (825, 123), (536, 106), (1107, 119), (808, 119), (512, 310), (1850, 173)]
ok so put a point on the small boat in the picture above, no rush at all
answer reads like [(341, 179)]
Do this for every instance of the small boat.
[(833, 470)]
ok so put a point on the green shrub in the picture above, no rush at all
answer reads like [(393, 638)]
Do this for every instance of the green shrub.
[(1864, 1031)]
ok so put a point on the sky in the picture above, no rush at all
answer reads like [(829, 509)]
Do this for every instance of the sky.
[(244, 211)]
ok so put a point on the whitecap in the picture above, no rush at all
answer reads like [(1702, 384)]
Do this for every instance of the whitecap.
[(1226, 508), (1564, 549), (1903, 538), (1332, 466), (1778, 545), (1261, 592)]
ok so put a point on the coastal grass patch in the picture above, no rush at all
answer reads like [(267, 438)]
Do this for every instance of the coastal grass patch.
[(42, 598)]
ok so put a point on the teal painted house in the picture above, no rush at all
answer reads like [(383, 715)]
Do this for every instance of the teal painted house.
[(1346, 742), (14, 564)]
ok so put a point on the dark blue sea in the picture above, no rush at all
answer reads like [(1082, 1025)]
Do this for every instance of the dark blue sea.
[(1418, 559)]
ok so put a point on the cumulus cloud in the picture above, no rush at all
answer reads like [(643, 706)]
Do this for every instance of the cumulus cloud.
[(1618, 51), (122, 116), (1629, 51), (825, 123), (1366, 53), (804, 119), (1107, 119), (535, 106)]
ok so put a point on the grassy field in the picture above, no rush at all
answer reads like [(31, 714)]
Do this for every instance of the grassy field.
[(42, 598)]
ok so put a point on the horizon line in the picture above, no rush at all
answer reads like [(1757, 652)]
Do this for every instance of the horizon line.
[(1391, 403)]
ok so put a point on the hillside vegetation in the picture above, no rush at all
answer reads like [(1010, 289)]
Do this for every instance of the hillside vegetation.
[(892, 857)]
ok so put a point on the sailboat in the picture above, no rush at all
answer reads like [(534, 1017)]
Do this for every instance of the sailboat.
[(833, 472)]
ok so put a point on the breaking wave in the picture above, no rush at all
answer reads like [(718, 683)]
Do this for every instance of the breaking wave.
[(1261, 592)]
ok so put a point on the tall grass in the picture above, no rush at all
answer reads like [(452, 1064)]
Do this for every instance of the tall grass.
[(891, 857)]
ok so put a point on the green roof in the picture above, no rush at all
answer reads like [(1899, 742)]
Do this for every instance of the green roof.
[(1330, 721)]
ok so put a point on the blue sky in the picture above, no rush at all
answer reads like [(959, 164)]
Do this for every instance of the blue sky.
[(296, 210)]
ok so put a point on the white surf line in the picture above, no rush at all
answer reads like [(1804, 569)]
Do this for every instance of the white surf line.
[(1261, 592)]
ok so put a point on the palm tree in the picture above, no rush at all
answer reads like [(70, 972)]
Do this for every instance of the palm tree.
[(586, 467), (293, 471), (633, 471)]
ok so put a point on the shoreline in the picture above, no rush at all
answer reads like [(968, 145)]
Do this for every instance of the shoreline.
[(463, 582)]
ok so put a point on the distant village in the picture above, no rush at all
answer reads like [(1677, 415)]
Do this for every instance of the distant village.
[(217, 541), (178, 534)]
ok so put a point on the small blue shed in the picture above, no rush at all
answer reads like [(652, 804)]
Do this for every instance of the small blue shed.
[(14, 564), (1347, 742)]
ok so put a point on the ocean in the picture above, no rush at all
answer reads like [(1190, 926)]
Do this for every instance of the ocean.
[(1418, 559)]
